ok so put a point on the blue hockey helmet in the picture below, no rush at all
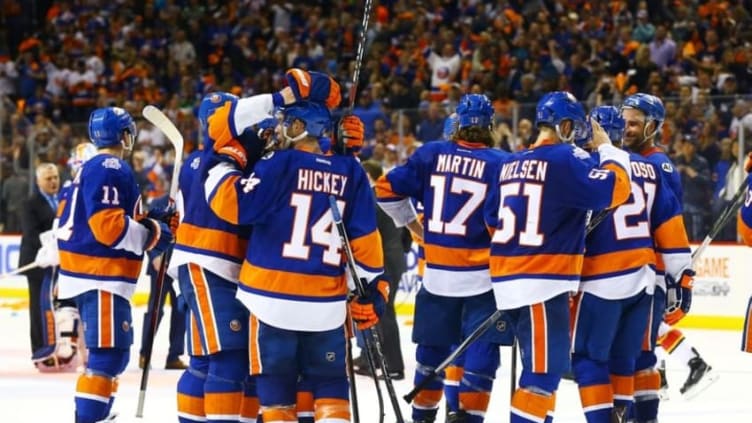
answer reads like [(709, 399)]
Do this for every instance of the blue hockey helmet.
[(450, 126), (316, 117), (557, 106), (209, 104), (474, 110), (651, 106), (611, 121), (107, 126)]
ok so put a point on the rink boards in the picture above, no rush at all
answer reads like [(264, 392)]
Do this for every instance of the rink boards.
[(722, 286)]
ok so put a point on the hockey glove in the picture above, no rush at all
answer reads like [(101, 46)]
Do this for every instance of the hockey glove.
[(167, 215), (47, 256), (350, 135), (367, 310), (678, 296), (226, 145), (160, 238), (748, 163), (314, 86)]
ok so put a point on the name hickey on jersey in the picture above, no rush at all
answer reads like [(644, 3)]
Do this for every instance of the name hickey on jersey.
[(534, 170), (466, 166), (321, 181)]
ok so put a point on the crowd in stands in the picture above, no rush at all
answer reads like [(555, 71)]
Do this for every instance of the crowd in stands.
[(61, 59)]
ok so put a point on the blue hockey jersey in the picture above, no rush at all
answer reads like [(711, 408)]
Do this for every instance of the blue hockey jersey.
[(293, 276), (100, 241), (620, 257), (202, 237), (538, 211), (450, 180), (744, 221)]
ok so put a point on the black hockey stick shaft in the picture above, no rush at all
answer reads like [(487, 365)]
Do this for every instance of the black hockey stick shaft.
[(351, 374), (373, 343), (722, 220), (596, 220), (477, 333), (359, 53), (513, 370)]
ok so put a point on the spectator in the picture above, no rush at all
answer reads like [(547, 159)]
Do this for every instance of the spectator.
[(727, 177), (662, 48), (15, 188), (444, 66), (432, 125), (37, 215), (696, 180), (644, 30)]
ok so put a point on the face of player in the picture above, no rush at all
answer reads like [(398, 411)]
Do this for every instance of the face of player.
[(49, 180), (634, 128)]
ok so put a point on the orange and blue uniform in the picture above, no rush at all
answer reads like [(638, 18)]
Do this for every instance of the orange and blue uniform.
[(744, 226)]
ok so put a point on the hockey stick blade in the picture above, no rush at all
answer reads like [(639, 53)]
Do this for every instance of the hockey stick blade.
[(157, 118)]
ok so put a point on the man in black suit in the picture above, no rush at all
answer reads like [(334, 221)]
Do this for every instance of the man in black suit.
[(36, 217), (394, 242)]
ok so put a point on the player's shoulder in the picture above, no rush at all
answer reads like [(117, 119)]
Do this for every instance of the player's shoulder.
[(104, 165)]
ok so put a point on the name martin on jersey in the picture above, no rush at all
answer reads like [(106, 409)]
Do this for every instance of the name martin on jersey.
[(460, 165)]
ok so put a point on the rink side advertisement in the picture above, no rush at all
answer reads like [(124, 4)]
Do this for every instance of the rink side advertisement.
[(722, 286)]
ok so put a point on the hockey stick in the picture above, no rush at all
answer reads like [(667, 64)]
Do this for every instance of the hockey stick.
[(513, 370), (161, 121), (480, 330), (372, 335), (722, 220), (32, 265), (596, 220), (351, 373), (359, 54)]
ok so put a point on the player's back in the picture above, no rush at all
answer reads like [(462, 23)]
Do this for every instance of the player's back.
[(620, 257), (294, 254), (451, 180), (202, 237), (659, 158), (538, 211), (94, 251)]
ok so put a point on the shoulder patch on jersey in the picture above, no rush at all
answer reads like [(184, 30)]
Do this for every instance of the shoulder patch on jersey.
[(195, 163), (267, 156), (112, 163), (667, 167), (250, 182), (580, 153)]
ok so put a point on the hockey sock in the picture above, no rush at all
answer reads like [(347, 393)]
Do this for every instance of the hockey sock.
[(426, 403), (277, 395), (223, 389), (249, 407), (535, 399), (647, 382), (305, 401), (191, 391), (94, 387), (596, 393), (330, 399), (452, 380), (475, 393)]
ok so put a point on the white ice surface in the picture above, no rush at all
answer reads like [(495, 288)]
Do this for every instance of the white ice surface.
[(28, 396)]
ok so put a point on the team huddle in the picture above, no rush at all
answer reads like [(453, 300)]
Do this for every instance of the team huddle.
[(579, 240)]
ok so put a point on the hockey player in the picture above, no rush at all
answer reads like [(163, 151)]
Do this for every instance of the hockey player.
[(293, 275), (63, 349), (643, 115), (102, 238), (450, 179), (538, 212), (611, 311), (744, 227)]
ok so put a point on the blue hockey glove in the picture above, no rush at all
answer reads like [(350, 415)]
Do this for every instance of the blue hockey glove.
[(314, 86), (678, 296), (160, 238)]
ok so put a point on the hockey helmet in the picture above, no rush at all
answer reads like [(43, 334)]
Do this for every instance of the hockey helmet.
[(557, 106), (107, 125), (474, 110), (610, 119)]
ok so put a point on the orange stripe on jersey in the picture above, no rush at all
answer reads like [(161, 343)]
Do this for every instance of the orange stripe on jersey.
[(532, 403), (622, 185), (744, 231), (205, 311), (60, 207), (290, 283), (384, 188), (595, 395), (100, 266), (539, 338), (219, 124), (672, 234), (196, 347), (552, 264), (106, 329), (367, 250), (254, 351), (617, 261), (193, 406), (331, 408), (222, 403), (623, 386), (94, 385), (211, 240), (225, 200), (107, 225), (457, 257)]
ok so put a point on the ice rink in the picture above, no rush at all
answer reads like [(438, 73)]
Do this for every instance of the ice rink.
[(28, 396)]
